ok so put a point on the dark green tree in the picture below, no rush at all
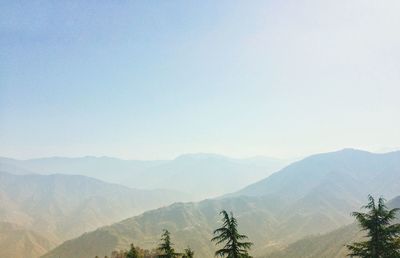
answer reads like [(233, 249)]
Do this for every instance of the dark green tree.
[(229, 234), (382, 235), (189, 253), (166, 246), (132, 253)]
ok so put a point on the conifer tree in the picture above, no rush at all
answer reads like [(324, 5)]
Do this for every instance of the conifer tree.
[(229, 234), (382, 235), (166, 246), (133, 253), (189, 253)]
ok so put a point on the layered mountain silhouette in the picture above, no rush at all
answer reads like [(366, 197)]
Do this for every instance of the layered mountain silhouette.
[(60, 207), (188, 173), (311, 196), (355, 171)]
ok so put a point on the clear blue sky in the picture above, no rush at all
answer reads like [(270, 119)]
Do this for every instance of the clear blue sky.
[(154, 79)]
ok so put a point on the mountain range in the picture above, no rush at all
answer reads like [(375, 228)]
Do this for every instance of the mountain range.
[(189, 173), (55, 208), (309, 197)]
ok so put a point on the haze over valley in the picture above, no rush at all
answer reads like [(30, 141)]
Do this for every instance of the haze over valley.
[(309, 197), (181, 129), (188, 173)]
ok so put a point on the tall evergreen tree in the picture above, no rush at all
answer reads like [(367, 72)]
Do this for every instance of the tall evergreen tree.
[(132, 253), (166, 246), (188, 253), (382, 235), (229, 234)]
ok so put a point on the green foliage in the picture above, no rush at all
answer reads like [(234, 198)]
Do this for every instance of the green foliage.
[(133, 253), (189, 253), (166, 246), (229, 234), (383, 236), (164, 250)]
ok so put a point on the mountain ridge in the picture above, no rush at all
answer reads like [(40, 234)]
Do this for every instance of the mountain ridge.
[(192, 170), (60, 207), (329, 245), (315, 206)]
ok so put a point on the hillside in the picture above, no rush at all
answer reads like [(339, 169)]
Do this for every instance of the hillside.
[(17, 242), (192, 170), (275, 213), (330, 245), (190, 223), (355, 171), (61, 207), (265, 220)]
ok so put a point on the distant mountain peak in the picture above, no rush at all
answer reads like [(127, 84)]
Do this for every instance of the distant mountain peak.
[(352, 150), (200, 156)]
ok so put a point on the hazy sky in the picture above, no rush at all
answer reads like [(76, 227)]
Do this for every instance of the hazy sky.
[(154, 79)]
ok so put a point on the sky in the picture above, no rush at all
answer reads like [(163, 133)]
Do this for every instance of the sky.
[(155, 79)]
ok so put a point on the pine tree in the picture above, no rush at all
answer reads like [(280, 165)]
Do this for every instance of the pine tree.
[(166, 246), (133, 253), (188, 253), (382, 236), (229, 234)]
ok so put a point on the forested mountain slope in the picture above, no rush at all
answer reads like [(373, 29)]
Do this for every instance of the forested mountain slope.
[(353, 171), (330, 245), (289, 205), (60, 207), (18, 242)]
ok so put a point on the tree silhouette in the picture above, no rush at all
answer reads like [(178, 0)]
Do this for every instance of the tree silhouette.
[(383, 236), (133, 253), (229, 234), (189, 253), (166, 246)]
